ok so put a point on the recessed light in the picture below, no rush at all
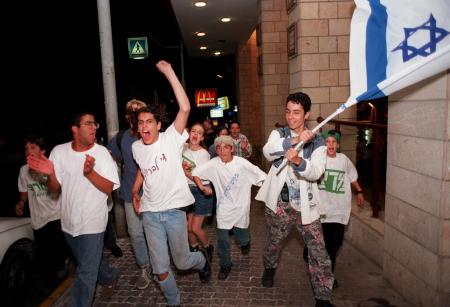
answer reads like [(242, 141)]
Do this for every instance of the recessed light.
[(203, 47), (200, 3), (225, 19), (217, 53), (200, 33)]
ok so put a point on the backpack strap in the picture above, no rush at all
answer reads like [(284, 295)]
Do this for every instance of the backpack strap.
[(119, 138)]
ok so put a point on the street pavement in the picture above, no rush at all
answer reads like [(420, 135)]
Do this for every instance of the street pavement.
[(360, 281)]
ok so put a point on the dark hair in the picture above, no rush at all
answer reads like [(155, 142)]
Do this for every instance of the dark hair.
[(198, 124), (300, 98), (235, 122), (34, 139), (220, 128), (76, 119), (158, 110)]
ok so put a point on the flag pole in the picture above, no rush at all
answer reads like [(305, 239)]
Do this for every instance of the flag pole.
[(320, 125)]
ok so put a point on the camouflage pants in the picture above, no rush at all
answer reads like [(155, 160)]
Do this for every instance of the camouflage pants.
[(279, 225)]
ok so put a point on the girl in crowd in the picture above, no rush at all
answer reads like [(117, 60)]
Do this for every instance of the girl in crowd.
[(193, 155)]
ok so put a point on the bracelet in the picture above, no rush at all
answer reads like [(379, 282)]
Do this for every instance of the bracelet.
[(359, 192)]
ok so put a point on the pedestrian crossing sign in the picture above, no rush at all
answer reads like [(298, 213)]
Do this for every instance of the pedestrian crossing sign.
[(137, 47)]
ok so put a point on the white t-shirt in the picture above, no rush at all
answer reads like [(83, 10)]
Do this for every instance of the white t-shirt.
[(195, 158), (83, 206), (165, 186), (44, 206), (232, 182), (335, 189)]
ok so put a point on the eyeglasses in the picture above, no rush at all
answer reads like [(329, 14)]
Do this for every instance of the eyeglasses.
[(91, 124)]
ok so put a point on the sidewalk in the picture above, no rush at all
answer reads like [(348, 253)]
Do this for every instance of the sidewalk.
[(360, 281)]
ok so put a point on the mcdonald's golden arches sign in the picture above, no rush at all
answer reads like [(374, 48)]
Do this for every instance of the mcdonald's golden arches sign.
[(205, 97)]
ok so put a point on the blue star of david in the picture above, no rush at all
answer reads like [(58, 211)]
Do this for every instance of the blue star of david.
[(436, 35)]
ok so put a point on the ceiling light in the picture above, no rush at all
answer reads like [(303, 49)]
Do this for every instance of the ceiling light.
[(200, 3), (200, 33), (226, 19), (203, 47), (217, 53), (219, 76)]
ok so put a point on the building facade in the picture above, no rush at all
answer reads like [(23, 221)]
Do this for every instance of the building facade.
[(303, 45)]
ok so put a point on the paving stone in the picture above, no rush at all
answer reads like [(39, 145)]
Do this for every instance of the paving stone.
[(360, 280)]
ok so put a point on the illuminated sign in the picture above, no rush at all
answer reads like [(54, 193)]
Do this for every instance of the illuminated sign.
[(215, 113), (137, 47), (206, 97), (223, 103)]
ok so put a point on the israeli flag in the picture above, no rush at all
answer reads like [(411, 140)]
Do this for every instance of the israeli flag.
[(396, 43)]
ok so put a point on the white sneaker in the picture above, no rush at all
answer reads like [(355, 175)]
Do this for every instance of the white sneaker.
[(145, 278)]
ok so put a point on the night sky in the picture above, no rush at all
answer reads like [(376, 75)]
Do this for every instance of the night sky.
[(53, 65), (51, 68)]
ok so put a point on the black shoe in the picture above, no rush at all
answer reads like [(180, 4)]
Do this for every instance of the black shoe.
[(323, 303), (224, 272), (305, 254), (267, 278), (210, 251), (115, 250), (245, 249), (193, 248), (205, 273), (63, 270), (335, 284)]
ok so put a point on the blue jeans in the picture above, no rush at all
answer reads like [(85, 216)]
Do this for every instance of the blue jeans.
[(170, 226), (91, 267), (137, 236), (242, 236)]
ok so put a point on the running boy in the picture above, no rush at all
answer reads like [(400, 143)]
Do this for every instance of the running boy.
[(292, 197), (336, 195), (166, 192), (232, 177), (45, 211)]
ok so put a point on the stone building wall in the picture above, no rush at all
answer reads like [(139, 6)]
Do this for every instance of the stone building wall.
[(417, 220), (248, 94), (273, 63), (320, 67)]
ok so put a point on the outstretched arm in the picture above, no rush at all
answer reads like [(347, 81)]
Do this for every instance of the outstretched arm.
[(182, 99), (201, 187), (45, 166)]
